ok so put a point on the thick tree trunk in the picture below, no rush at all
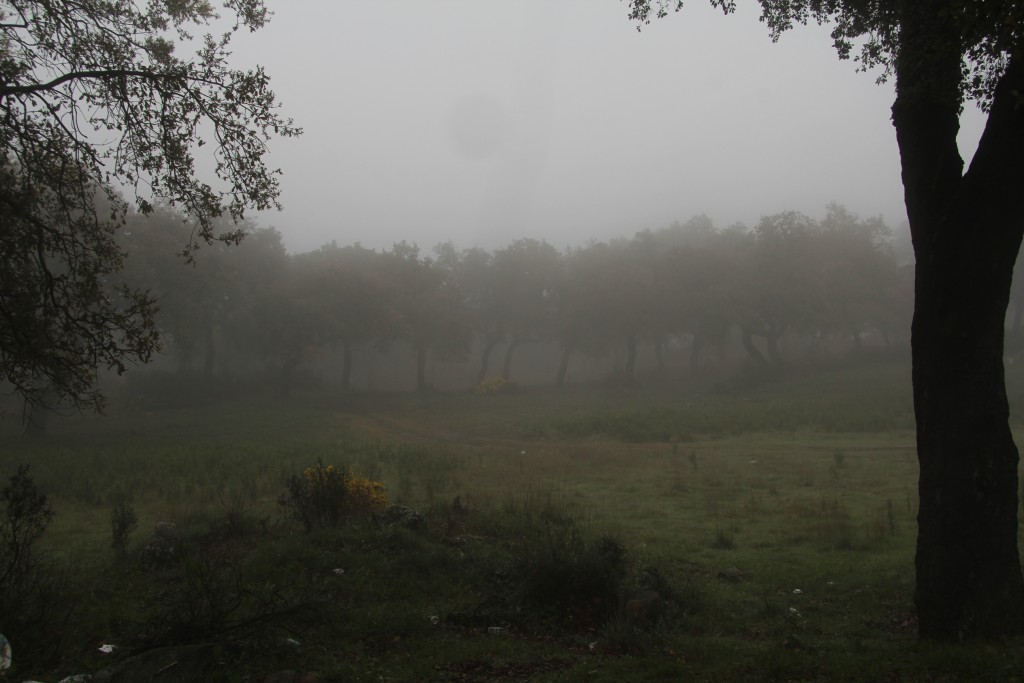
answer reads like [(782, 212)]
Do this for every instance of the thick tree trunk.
[(506, 367), (966, 230), (747, 337)]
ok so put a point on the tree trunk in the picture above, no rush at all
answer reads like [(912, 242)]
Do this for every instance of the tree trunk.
[(966, 230), (485, 357), (747, 337), (506, 367)]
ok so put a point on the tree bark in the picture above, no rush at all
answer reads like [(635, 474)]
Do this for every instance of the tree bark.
[(966, 230)]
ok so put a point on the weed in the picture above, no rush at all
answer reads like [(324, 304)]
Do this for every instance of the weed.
[(123, 522)]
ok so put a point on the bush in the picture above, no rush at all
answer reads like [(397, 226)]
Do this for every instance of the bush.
[(34, 604), (26, 514), (324, 495), (123, 521)]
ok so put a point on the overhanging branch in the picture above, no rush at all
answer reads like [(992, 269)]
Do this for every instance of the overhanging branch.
[(9, 90)]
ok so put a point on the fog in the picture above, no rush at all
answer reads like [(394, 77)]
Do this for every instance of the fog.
[(480, 123)]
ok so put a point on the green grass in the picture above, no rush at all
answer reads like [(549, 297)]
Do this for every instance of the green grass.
[(776, 519)]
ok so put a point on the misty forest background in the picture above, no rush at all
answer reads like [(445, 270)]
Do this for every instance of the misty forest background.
[(722, 489), (688, 299)]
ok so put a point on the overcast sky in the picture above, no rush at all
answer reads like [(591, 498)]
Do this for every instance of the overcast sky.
[(485, 121)]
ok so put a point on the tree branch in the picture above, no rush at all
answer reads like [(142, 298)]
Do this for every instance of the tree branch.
[(8, 90)]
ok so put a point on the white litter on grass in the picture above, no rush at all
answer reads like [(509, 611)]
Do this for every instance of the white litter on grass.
[(338, 572), (797, 591), (107, 648)]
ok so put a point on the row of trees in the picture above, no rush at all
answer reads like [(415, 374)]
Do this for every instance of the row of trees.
[(689, 284)]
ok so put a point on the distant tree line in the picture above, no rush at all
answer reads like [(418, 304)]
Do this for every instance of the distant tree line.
[(691, 287)]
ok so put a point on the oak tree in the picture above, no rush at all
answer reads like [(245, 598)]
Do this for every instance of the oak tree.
[(966, 227), (100, 110)]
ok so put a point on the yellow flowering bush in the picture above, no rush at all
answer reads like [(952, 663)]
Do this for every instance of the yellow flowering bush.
[(324, 495), (494, 385), (365, 496)]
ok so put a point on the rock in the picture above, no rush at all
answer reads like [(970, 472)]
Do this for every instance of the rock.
[(183, 664), (732, 575), (288, 676), (644, 609), (402, 516), (792, 643)]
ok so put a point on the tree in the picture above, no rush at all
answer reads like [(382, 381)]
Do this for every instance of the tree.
[(527, 275), (425, 308), (966, 229), (94, 98), (700, 272), (352, 298), (470, 273)]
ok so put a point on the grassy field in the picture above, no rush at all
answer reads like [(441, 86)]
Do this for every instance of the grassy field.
[(773, 522)]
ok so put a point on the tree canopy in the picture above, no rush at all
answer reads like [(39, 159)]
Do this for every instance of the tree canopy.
[(97, 103), (989, 32)]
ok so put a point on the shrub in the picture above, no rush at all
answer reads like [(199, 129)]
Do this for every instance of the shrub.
[(34, 603), (494, 385), (123, 521), (324, 495), (26, 514)]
